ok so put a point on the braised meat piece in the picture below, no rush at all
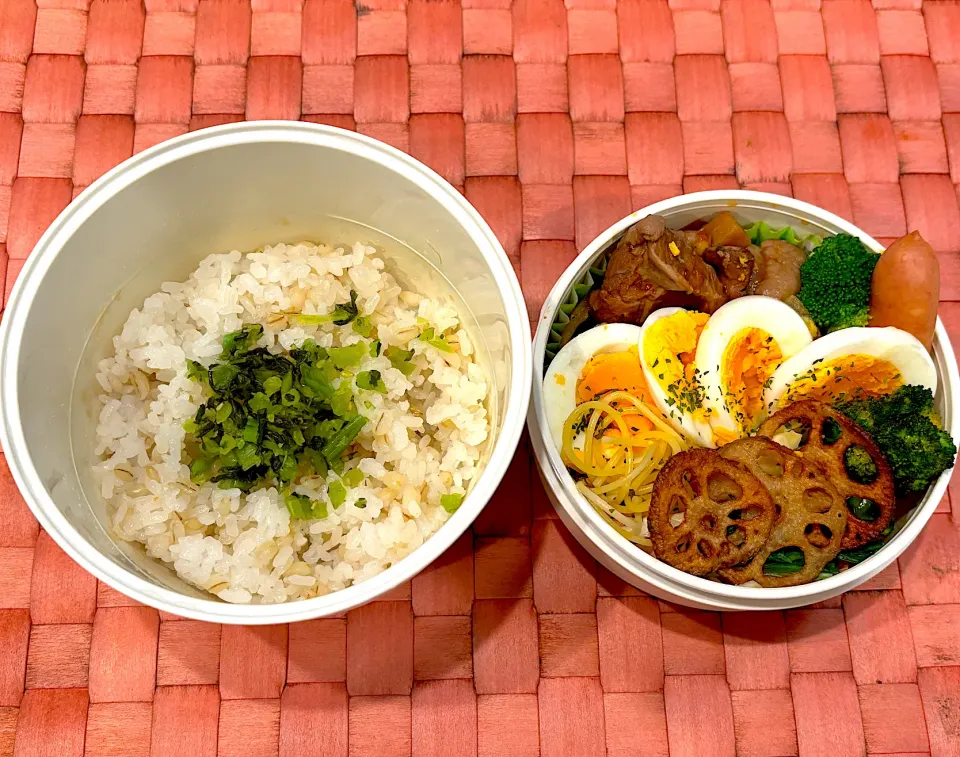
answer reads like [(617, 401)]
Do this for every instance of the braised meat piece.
[(738, 268), (780, 272), (651, 268), (654, 267)]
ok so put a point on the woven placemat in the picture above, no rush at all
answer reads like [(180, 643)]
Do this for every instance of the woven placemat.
[(555, 119)]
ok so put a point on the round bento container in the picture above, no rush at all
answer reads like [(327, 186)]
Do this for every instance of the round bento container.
[(625, 559), (152, 219)]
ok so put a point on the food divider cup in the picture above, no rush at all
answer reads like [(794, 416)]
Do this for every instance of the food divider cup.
[(625, 559), (152, 219)]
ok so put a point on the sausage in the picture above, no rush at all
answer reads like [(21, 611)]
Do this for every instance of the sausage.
[(905, 290)]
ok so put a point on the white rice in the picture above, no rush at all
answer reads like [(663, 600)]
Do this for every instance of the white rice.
[(423, 439)]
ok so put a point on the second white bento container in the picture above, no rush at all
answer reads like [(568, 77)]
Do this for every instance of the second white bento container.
[(625, 559)]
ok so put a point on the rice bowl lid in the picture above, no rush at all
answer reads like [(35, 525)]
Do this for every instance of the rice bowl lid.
[(626, 559), (50, 245)]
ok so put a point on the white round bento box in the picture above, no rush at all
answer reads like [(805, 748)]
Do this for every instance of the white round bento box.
[(152, 219), (625, 559)]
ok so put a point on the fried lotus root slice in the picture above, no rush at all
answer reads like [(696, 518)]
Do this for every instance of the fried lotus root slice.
[(852, 462), (708, 513), (811, 515)]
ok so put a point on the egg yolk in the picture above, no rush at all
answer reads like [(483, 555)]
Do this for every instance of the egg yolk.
[(723, 436), (847, 378), (612, 372), (669, 349), (749, 360)]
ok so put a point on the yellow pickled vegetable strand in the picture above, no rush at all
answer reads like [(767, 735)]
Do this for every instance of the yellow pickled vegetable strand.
[(619, 468)]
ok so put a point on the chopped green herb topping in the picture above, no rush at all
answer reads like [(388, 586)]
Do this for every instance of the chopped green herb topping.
[(429, 336), (347, 357), (342, 314), (304, 507), (451, 502), (400, 359), (686, 393), (270, 420), (353, 477), (337, 493), (371, 381), (363, 326), (240, 341)]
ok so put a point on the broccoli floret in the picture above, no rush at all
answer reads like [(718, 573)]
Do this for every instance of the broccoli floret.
[(872, 412), (917, 451), (861, 412), (903, 425), (913, 400), (835, 283)]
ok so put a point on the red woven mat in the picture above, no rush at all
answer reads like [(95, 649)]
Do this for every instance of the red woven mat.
[(555, 119)]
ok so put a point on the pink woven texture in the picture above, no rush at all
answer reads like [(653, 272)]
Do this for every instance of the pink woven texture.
[(555, 119)]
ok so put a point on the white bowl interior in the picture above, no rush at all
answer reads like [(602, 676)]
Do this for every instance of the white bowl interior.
[(154, 220), (629, 561)]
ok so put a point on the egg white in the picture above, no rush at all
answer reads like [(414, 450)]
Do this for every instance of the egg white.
[(560, 382), (898, 347), (754, 312), (699, 431)]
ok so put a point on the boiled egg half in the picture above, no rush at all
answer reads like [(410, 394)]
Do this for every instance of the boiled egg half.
[(740, 348), (598, 361), (851, 363), (668, 348)]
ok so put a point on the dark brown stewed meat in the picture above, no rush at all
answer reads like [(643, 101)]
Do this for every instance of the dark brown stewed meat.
[(738, 268), (654, 267)]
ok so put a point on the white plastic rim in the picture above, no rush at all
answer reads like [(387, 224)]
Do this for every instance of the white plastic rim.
[(628, 561), (31, 279)]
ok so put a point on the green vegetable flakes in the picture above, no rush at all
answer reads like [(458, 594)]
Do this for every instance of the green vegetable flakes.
[(363, 326), (428, 336), (337, 493), (270, 420), (304, 508), (400, 359), (371, 381), (342, 314), (451, 502), (347, 357)]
